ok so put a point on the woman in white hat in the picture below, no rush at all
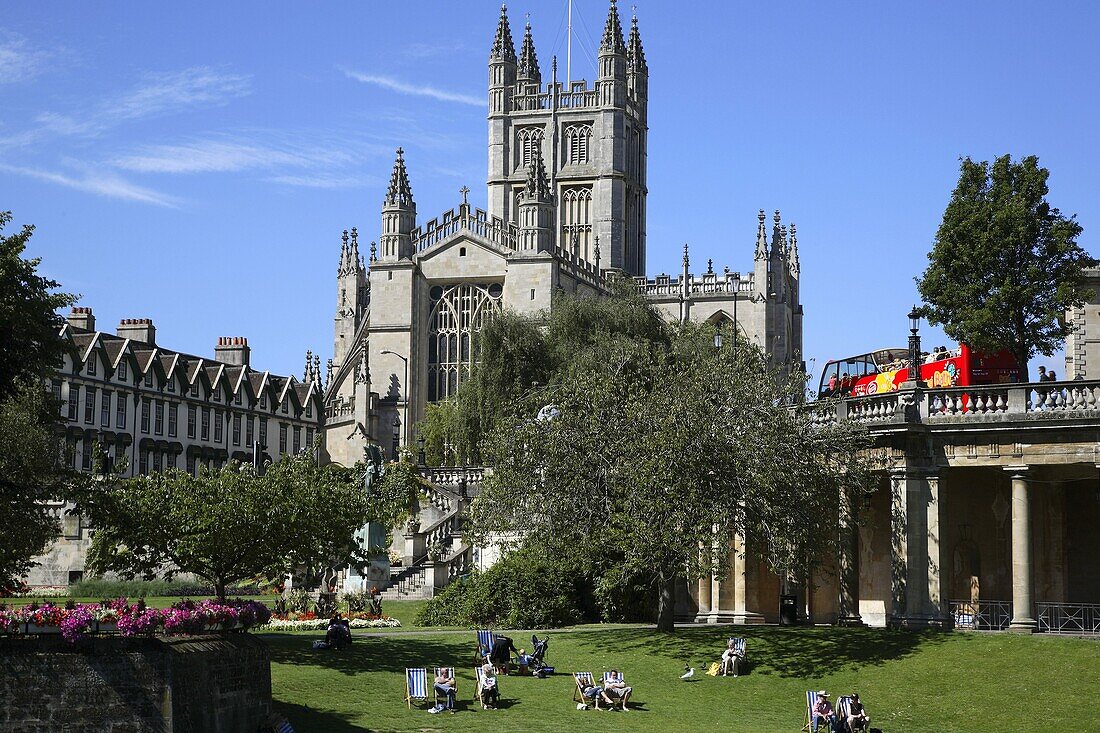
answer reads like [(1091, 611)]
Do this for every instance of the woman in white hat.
[(823, 711)]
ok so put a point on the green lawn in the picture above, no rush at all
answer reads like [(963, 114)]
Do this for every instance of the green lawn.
[(911, 682)]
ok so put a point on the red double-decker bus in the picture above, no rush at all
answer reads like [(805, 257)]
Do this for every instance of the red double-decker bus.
[(886, 370)]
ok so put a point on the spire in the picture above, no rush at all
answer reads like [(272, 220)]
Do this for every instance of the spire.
[(596, 254), (777, 235), (761, 239), (317, 369), (353, 254), (537, 186), (635, 55), (528, 60), (399, 193), (373, 251), (794, 251), (328, 373), (307, 374), (343, 255), (613, 32), (503, 47)]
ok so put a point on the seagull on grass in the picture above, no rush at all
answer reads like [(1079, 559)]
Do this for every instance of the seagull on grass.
[(689, 672)]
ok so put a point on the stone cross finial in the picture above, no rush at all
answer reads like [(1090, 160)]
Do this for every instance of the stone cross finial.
[(710, 266), (465, 192), (685, 254), (373, 251)]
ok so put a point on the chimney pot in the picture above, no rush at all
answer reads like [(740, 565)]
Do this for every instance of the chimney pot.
[(137, 329), (233, 350), (81, 317)]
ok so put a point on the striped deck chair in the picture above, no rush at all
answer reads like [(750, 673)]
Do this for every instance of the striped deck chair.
[(485, 639), (739, 647), (450, 672), (811, 700), (416, 685), (842, 712), (613, 677), (477, 688), (582, 680)]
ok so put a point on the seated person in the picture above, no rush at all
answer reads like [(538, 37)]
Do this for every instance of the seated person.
[(445, 685), (617, 690), (488, 690), (857, 715), (823, 712), (731, 660), (338, 634), (523, 661), (592, 693), (501, 653)]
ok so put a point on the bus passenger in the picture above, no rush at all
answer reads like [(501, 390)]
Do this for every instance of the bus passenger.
[(830, 388)]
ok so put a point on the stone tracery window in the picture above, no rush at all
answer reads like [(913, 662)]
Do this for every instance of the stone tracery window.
[(575, 142), (528, 143), (458, 312), (576, 222)]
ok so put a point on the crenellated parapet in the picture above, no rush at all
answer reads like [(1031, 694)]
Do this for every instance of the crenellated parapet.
[(465, 218)]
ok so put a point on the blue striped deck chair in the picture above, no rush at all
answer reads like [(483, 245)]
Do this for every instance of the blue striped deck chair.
[(811, 700), (477, 688), (738, 644), (613, 677), (485, 639), (416, 685), (284, 727), (842, 712), (583, 680), (450, 672)]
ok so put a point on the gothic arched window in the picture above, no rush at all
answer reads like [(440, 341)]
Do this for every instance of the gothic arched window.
[(576, 222), (575, 141), (528, 143), (458, 312)]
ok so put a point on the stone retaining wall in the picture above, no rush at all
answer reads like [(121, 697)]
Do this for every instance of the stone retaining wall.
[(203, 684)]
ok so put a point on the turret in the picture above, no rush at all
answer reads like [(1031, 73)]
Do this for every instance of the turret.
[(612, 61), (398, 214), (760, 259), (502, 66), (792, 264), (637, 71), (351, 294), (536, 210), (528, 72), (778, 266)]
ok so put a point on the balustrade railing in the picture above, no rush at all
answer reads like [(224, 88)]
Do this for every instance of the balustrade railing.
[(475, 221), (1052, 400), (1068, 618), (981, 615)]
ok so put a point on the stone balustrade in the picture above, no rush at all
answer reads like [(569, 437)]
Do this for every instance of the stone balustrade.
[(979, 403), (475, 221)]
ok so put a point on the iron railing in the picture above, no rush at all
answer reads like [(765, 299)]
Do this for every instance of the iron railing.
[(981, 615), (1068, 618)]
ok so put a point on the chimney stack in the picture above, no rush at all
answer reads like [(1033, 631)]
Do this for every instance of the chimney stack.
[(233, 350), (137, 329), (82, 318)]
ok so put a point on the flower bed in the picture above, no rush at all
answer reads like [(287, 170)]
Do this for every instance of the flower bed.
[(308, 621), (185, 617)]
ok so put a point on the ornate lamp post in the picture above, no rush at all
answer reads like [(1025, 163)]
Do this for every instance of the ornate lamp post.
[(717, 338), (396, 437), (914, 347), (404, 388)]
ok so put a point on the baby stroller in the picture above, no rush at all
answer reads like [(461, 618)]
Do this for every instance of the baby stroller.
[(537, 661)]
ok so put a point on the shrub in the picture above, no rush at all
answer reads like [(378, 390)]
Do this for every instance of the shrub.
[(525, 590), (358, 601)]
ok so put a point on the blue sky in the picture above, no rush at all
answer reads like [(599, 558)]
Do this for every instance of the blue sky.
[(195, 163)]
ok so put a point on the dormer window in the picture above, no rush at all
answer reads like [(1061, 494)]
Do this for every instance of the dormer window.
[(195, 390), (149, 378), (122, 370), (91, 364), (237, 399), (217, 396), (263, 402), (171, 385), (309, 409), (286, 405)]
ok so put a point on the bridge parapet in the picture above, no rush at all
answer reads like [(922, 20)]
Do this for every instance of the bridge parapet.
[(980, 403)]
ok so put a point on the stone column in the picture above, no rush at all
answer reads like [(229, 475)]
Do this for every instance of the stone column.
[(848, 564), (1022, 582), (915, 528), (715, 600), (739, 577), (703, 593)]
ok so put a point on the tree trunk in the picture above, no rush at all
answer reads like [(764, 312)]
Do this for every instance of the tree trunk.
[(1021, 361), (666, 602), (219, 589)]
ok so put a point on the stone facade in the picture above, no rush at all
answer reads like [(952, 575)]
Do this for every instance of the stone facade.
[(566, 212), (158, 408), (1083, 342), (984, 514), (216, 684)]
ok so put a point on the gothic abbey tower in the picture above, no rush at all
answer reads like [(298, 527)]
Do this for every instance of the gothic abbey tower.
[(566, 211), (592, 141)]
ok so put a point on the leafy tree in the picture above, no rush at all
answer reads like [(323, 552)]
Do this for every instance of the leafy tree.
[(31, 471), (663, 450), (30, 477), (29, 323), (396, 496), (1005, 265), (230, 525)]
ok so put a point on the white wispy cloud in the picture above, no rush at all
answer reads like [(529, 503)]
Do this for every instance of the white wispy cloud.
[(401, 87), (102, 183), (322, 181), (225, 155), (155, 95), (19, 59)]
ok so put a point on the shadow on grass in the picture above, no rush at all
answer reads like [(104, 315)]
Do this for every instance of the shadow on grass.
[(797, 652), (307, 719), (391, 653)]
